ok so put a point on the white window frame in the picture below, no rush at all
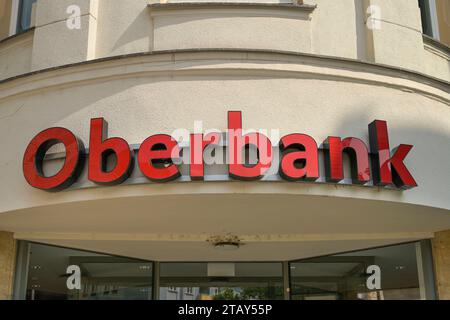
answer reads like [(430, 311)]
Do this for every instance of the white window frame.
[(434, 19), (14, 17), (15, 8), (432, 22)]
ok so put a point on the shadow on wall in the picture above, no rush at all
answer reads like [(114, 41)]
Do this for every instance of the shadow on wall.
[(176, 20), (145, 25), (427, 161), (137, 30), (362, 38)]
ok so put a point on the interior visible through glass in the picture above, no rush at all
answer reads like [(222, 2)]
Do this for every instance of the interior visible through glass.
[(221, 281), (25, 12), (103, 277), (345, 276), (374, 274)]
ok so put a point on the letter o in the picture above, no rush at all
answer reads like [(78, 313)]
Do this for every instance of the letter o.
[(34, 157)]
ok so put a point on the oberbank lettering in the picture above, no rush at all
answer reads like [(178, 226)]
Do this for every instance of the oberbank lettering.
[(298, 157)]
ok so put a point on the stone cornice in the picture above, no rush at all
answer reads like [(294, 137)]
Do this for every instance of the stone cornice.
[(212, 5), (236, 60)]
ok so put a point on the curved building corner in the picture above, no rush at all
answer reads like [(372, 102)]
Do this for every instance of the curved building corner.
[(198, 150)]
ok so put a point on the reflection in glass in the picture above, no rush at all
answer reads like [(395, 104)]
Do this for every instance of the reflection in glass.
[(24, 18), (221, 281), (344, 276), (340, 276), (103, 277)]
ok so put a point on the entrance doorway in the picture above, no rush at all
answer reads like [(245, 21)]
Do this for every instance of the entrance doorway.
[(221, 281), (47, 272)]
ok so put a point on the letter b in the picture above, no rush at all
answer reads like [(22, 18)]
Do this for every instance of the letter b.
[(237, 142), (100, 148)]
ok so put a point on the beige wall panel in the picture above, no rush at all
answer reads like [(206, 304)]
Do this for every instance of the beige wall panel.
[(50, 11), (441, 257), (15, 55), (5, 18), (397, 40), (123, 27), (7, 264), (56, 44), (334, 25), (437, 63), (255, 28), (398, 46), (443, 12)]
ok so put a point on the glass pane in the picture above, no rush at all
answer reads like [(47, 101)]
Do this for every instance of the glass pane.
[(425, 16), (102, 277), (24, 19), (345, 276), (221, 281)]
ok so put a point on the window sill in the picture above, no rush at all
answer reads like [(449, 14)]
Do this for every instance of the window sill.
[(17, 35), (207, 5), (436, 46)]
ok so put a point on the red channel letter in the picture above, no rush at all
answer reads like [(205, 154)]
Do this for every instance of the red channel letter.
[(34, 157), (155, 158), (358, 153), (100, 148), (300, 160), (198, 143), (387, 169), (236, 144)]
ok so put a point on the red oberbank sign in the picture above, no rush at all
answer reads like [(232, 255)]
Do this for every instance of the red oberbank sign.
[(299, 157)]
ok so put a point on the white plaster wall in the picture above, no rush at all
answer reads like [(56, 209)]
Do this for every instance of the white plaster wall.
[(263, 28), (123, 27), (51, 11), (140, 102), (437, 63), (15, 56), (398, 40), (333, 27), (56, 44)]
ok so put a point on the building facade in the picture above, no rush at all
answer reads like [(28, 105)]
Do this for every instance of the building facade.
[(251, 149)]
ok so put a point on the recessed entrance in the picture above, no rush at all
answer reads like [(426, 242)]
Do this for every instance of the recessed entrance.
[(221, 281), (394, 272)]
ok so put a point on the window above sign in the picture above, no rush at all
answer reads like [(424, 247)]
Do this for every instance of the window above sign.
[(25, 15), (435, 16), (227, 1), (16, 16)]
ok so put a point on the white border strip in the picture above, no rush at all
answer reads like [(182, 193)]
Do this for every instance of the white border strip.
[(434, 19), (14, 17)]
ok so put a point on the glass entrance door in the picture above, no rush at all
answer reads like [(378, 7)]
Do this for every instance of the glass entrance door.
[(62, 273), (65, 274), (346, 276), (221, 281)]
